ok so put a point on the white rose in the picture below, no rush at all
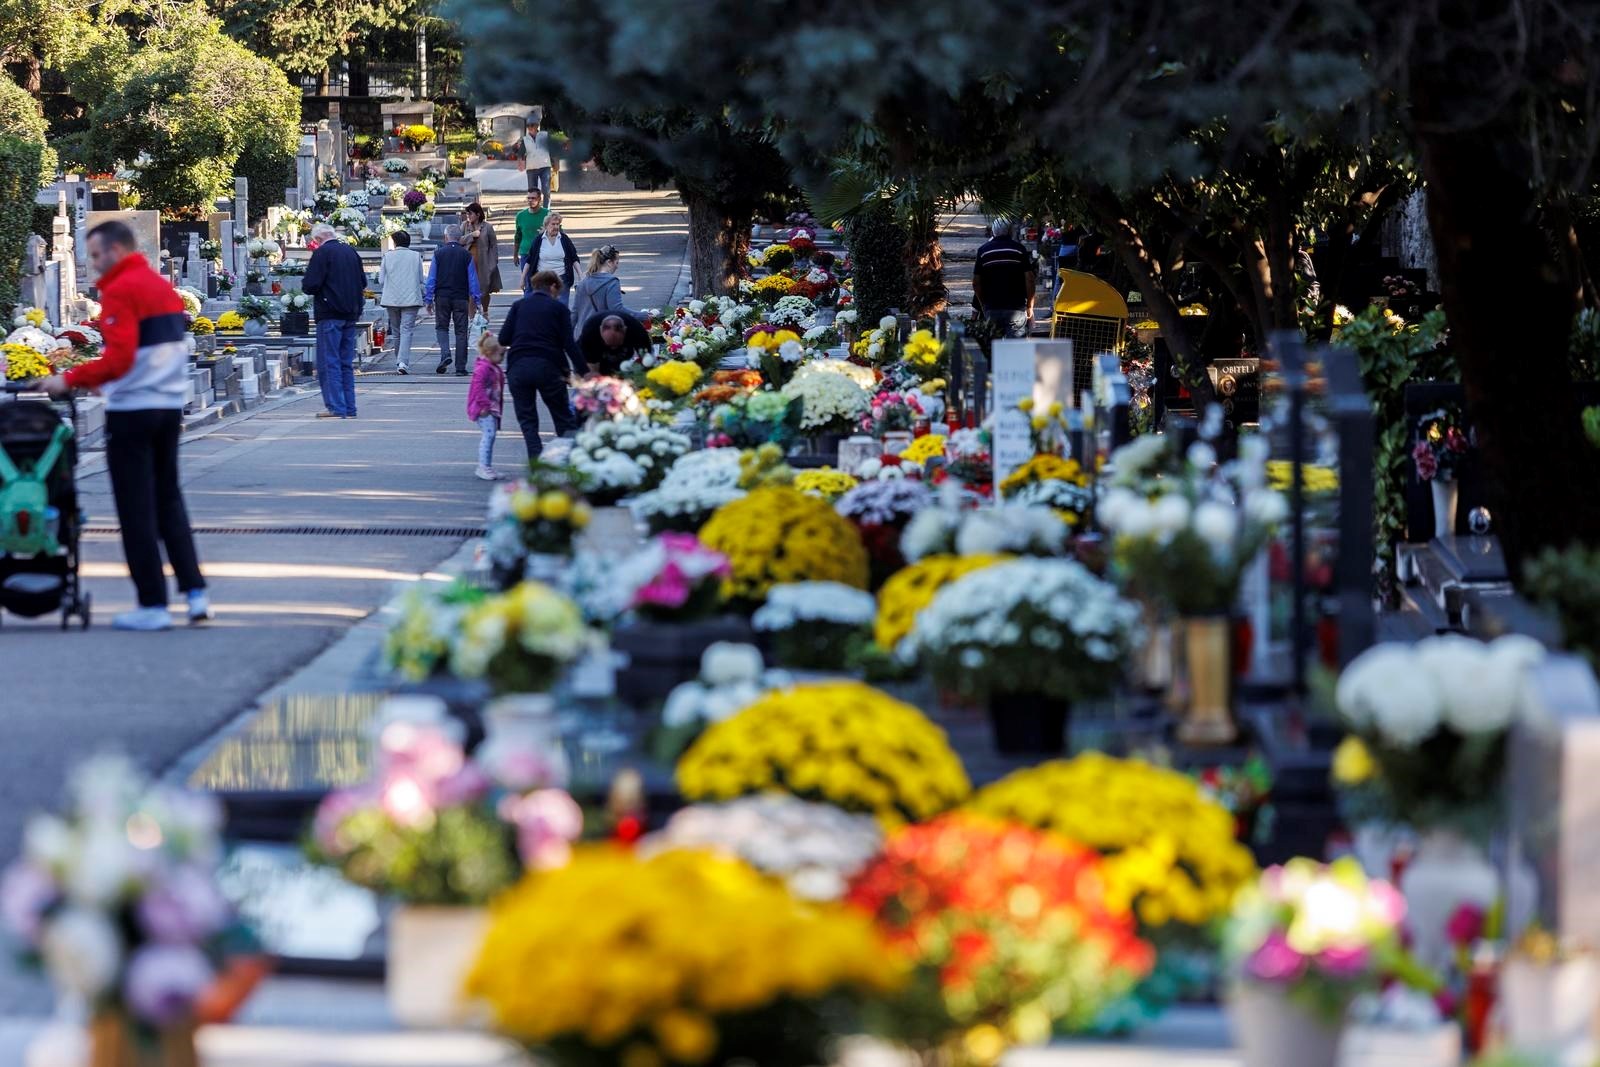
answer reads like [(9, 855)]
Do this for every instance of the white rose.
[(82, 952), (726, 663), (1391, 693)]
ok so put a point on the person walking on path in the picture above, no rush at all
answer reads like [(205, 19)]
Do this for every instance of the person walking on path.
[(451, 295), (601, 289), (536, 159), (552, 250), (608, 340), (337, 280), (400, 283), (486, 398), (479, 238), (540, 349), (1005, 282), (141, 373), (530, 223)]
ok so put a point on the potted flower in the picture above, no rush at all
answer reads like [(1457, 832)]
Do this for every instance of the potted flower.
[(775, 534), (415, 136), (520, 641), (891, 417), (561, 964), (825, 483), (205, 335), (295, 317), (257, 312), (832, 406), (1301, 944), (1432, 720), (396, 166), (117, 899), (990, 974), (816, 626), (224, 280), (1440, 448), (1028, 637), (533, 524), (880, 510), (442, 835), (695, 486), (230, 320), (621, 457)]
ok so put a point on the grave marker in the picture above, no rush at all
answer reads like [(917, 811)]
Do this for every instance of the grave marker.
[(146, 227)]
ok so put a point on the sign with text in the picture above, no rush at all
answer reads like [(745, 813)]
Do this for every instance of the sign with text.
[(1022, 369)]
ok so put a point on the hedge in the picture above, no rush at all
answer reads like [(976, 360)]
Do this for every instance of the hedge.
[(878, 251), (20, 161)]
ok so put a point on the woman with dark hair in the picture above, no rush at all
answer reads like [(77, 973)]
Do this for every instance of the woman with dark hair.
[(610, 338), (477, 237)]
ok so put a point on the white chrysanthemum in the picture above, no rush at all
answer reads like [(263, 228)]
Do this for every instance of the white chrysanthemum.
[(1387, 690), (1217, 524), (1170, 514), (1478, 690)]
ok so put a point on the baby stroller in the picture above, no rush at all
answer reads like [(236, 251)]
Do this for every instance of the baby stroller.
[(40, 523)]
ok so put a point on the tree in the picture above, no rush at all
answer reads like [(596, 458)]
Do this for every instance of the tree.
[(37, 33), (186, 108), (303, 36), (19, 179)]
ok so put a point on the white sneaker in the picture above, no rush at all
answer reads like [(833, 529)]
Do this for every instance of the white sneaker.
[(488, 474), (199, 606), (144, 619)]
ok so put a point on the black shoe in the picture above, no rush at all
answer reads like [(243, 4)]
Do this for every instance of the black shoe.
[(401, 370), (461, 374), (441, 368)]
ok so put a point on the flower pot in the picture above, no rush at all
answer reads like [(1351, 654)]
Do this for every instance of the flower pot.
[(1026, 724), (431, 950), (1208, 663), (1549, 1009), (664, 654), (205, 344), (294, 324), (1446, 872), (896, 442), (1446, 494), (1274, 1031), (113, 1043), (255, 327)]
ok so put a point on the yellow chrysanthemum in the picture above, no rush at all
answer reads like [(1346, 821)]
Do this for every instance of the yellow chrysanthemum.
[(824, 483), (844, 743), (639, 958), (910, 590), (1043, 468), (1170, 850), (923, 448), (230, 320), (1352, 762), (23, 363), (775, 284), (776, 534), (676, 376)]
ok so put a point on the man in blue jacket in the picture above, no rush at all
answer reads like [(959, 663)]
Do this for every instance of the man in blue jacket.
[(337, 282), (453, 286)]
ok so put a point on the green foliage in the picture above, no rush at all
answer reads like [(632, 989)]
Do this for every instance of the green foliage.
[(187, 108), (1567, 581), (21, 116), (877, 248), (1391, 356), (303, 37), (19, 179)]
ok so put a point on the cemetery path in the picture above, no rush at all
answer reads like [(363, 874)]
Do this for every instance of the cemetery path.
[(381, 501)]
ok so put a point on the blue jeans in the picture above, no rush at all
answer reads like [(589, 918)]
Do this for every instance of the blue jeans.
[(336, 365), (539, 178), (1011, 323), (489, 425)]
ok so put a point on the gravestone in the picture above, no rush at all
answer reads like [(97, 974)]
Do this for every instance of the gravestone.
[(195, 271), (1012, 375), (78, 197), (326, 164), (54, 306), (241, 202), (305, 170), (406, 112), (146, 227), (341, 145), (229, 260), (63, 253), (31, 283)]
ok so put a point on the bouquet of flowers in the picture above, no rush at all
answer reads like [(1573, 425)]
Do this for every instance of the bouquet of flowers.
[(891, 411), (541, 515), (520, 641), (263, 248), (685, 957), (815, 849), (433, 827), (1028, 627), (118, 897), (842, 743), (1441, 444), (880, 510), (775, 535), (1014, 530), (674, 577), (830, 403), (606, 398), (910, 590), (747, 420), (991, 974), (695, 486), (1170, 851), (348, 218), (1321, 932), (211, 249), (880, 345), (1434, 717), (296, 301), (967, 462), (225, 282), (816, 626), (417, 646), (624, 456)]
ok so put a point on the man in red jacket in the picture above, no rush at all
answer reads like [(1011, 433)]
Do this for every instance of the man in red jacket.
[(141, 373)]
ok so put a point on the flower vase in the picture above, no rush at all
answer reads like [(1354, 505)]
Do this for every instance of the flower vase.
[(113, 1042), (431, 951), (896, 442), (521, 732), (1027, 724), (1446, 872), (1275, 1031), (255, 327), (1152, 663), (1208, 664), (1446, 494)]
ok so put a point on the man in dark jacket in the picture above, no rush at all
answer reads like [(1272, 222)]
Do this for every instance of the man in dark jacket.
[(453, 286), (337, 281), (1005, 282), (537, 335)]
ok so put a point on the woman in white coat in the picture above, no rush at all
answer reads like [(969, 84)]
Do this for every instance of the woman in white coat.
[(400, 280)]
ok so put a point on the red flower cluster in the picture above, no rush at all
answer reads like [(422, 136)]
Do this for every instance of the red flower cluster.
[(802, 246)]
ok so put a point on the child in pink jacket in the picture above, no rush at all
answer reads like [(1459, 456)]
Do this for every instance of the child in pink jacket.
[(486, 398)]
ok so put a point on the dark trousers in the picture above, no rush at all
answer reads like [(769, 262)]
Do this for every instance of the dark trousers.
[(448, 309), (142, 457), (532, 377)]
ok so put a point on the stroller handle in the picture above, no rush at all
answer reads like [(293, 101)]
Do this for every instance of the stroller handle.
[(19, 387)]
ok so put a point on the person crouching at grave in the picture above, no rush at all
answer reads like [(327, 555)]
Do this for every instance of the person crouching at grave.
[(142, 372), (337, 282)]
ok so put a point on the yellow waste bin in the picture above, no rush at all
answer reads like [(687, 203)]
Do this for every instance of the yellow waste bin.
[(1094, 317)]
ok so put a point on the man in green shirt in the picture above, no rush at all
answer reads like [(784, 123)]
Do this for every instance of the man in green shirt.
[(530, 220)]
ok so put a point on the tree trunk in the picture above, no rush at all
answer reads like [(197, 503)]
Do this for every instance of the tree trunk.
[(32, 77), (719, 240), (925, 267), (1510, 308)]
